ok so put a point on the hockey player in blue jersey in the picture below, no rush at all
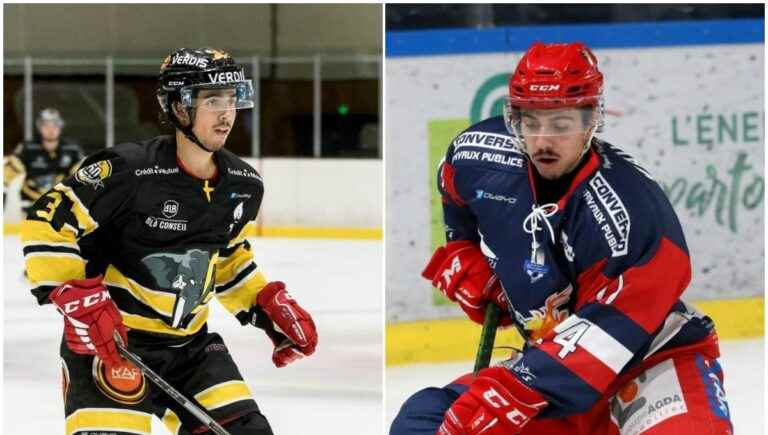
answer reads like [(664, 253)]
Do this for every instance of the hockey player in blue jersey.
[(583, 251)]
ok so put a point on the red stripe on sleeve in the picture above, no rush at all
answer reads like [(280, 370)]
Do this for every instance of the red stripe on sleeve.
[(447, 172), (583, 364)]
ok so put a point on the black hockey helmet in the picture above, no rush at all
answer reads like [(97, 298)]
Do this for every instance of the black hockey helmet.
[(186, 71)]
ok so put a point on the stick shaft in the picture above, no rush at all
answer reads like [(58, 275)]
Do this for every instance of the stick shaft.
[(487, 336), (195, 410)]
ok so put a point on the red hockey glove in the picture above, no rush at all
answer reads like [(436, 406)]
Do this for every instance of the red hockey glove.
[(291, 320), (90, 318), (497, 403), (460, 271)]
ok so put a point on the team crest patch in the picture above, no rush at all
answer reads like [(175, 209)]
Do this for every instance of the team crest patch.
[(124, 383), (94, 174)]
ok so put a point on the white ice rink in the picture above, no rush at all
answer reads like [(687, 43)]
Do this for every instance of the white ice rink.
[(742, 362), (337, 390)]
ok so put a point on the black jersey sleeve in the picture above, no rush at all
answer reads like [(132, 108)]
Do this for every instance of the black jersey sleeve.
[(239, 279), (100, 190)]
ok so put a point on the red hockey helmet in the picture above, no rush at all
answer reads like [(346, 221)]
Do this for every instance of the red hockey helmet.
[(555, 76)]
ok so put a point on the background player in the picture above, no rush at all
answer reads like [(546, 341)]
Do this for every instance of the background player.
[(159, 229), (43, 162), (591, 261)]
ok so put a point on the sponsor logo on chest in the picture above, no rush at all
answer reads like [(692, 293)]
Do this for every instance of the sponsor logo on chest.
[(169, 211), (610, 214), (156, 170), (170, 208), (482, 194)]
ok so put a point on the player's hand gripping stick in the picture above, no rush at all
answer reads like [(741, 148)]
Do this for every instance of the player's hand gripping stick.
[(195, 410)]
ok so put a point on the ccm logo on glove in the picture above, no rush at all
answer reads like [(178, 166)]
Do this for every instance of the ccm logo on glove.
[(86, 302)]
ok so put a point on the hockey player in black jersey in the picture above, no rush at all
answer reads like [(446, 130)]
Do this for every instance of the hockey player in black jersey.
[(138, 241), (42, 162)]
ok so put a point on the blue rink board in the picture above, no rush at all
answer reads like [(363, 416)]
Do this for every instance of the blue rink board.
[(612, 35)]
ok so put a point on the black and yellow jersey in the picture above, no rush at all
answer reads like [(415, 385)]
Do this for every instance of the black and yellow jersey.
[(41, 170), (166, 242)]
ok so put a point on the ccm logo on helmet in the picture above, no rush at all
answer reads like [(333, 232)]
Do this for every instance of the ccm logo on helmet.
[(86, 301), (544, 88), (226, 77)]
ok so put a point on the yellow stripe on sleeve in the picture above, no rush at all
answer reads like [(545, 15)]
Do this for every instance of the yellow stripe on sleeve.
[(243, 296), (39, 232), (223, 394), (228, 268), (54, 267), (108, 420)]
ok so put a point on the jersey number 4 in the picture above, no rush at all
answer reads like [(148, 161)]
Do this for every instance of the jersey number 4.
[(570, 337)]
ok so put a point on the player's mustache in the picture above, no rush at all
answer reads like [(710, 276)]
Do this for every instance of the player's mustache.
[(546, 154)]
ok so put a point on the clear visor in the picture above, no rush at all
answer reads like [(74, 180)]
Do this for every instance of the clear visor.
[(230, 96), (526, 122)]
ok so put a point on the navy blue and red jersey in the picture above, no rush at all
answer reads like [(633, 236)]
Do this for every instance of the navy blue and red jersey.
[(594, 277)]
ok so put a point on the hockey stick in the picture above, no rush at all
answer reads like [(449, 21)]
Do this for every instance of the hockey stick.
[(488, 334), (195, 410)]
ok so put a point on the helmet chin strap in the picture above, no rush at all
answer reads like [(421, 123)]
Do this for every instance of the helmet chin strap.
[(191, 136), (188, 133)]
